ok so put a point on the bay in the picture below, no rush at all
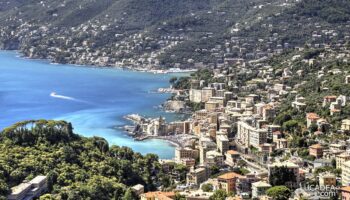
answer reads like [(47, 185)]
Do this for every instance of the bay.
[(93, 99)]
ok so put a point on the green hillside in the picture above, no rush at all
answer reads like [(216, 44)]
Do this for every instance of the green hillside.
[(76, 167), (163, 33)]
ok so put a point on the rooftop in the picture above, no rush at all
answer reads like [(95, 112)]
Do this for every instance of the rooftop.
[(312, 116), (20, 188), (345, 189), (261, 184), (38, 180), (316, 146), (230, 175), (232, 152), (159, 195)]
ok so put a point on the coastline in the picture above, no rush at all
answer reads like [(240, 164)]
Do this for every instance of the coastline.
[(169, 140), (164, 138), (120, 66)]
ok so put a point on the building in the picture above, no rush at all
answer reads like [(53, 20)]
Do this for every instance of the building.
[(299, 103), (181, 127), (138, 189), (196, 195), (345, 193), (268, 113), (228, 181), (244, 185), (267, 148), (347, 79), (250, 136), (207, 93), (196, 176), (214, 158), (232, 156), (188, 162), (327, 179), (28, 191), (328, 100), (316, 150), (158, 196), (211, 106), (317, 163), (259, 189), (182, 153), (203, 95), (311, 118), (341, 159), (205, 145), (345, 125), (196, 95), (222, 143), (345, 174)]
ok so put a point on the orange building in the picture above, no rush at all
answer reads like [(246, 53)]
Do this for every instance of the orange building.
[(311, 118), (158, 196), (316, 150), (228, 181), (345, 193)]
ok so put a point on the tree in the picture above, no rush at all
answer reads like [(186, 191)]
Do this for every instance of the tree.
[(279, 193), (214, 170), (129, 195), (219, 195), (4, 188), (290, 125), (181, 170), (207, 187), (281, 176), (76, 167), (47, 197), (172, 80), (178, 196), (313, 127)]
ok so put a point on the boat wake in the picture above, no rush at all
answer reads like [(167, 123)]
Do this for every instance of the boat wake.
[(55, 95)]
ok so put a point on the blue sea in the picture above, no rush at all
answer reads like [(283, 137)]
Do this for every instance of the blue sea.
[(93, 99)]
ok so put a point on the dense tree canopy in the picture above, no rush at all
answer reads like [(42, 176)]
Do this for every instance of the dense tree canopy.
[(279, 193), (76, 167)]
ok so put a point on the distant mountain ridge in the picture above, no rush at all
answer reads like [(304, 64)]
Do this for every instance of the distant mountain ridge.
[(164, 33)]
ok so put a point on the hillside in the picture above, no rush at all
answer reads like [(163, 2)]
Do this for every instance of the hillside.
[(76, 167), (170, 33)]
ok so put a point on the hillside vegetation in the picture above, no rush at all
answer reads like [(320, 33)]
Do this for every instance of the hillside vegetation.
[(166, 33), (77, 167)]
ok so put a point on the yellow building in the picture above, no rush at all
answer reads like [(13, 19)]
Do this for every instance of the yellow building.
[(342, 158), (345, 175), (211, 106)]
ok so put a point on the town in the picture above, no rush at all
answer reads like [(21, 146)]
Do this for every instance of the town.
[(268, 131), (266, 100)]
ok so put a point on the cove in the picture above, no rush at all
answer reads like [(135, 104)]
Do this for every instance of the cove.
[(93, 99)]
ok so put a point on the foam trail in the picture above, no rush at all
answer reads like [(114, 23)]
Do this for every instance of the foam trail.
[(54, 95)]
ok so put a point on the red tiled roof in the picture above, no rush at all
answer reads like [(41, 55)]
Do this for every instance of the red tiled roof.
[(312, 116), (230, 175)]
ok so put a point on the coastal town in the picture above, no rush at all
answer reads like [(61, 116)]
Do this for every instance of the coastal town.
[(265, 103), (256, 127)]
